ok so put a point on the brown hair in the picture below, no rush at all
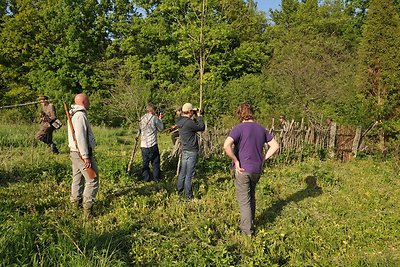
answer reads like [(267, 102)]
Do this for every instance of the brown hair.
[(151, 108), (245, 112)]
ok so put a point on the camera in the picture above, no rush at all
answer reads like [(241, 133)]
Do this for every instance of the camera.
[(197, 111), (159, 111)]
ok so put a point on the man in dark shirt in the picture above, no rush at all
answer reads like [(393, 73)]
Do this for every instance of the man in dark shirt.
[(188, 129)]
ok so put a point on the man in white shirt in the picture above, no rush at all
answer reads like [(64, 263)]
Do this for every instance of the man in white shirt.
[(150, 123)]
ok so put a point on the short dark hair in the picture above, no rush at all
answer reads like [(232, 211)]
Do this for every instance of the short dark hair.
[(245, 112)]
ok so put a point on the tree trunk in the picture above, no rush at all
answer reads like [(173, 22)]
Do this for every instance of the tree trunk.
[(381, 96), (202, 54)]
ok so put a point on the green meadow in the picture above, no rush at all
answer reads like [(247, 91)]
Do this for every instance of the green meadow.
[(312, 213)]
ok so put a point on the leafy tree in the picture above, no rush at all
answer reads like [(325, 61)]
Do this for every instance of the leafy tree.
[(286, 16), (72, 39), (170, 51), (215, 42), (357, 9), (379, 64), (311, 62), (129, 94), (17, 50), (51, 47)]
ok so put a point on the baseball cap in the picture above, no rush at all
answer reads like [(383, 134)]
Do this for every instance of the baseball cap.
[(187, 107)]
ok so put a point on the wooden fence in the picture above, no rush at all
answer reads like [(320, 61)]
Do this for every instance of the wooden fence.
[(296, 140)]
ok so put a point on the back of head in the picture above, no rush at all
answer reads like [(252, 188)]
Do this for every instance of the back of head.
[(187, 108), (245, 112), (150, 108), (82, 100)]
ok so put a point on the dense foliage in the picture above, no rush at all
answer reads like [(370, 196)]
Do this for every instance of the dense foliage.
[(309, 59)]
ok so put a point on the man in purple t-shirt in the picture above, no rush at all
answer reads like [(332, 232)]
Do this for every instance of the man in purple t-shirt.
[(248, 139)]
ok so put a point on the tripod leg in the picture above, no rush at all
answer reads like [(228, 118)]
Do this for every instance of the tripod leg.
[(132, 155)]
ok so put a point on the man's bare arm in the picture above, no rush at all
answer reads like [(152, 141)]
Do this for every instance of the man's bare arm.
[(273, 146), (229, 152)]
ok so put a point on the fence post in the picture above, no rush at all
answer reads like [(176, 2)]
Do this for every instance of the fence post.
[(332, 139), (356, 141)]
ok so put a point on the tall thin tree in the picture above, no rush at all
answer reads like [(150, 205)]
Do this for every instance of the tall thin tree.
[(379, 61)]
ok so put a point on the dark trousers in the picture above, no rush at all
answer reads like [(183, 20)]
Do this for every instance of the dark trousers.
[(45, 134), (150, 154)]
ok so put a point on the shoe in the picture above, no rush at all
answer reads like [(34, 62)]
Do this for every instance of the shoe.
[(76, 204), (54, 149), (87, 214)]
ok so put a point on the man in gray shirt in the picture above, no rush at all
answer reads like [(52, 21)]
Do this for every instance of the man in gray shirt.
[(149, 125)]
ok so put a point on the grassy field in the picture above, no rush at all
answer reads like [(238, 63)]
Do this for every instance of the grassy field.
[(315, 213)]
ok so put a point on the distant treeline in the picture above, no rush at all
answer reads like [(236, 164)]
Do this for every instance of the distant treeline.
[(337, 59)]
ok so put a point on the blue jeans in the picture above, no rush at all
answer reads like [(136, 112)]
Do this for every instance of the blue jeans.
[(186, 174), (150, 154)]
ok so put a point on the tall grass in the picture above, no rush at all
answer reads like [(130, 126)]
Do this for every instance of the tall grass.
[(316, 213)]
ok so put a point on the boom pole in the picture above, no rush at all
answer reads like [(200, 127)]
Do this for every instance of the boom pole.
[(20, 105)]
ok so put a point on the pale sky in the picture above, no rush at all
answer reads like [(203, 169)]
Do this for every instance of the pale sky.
[(265, 5)]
